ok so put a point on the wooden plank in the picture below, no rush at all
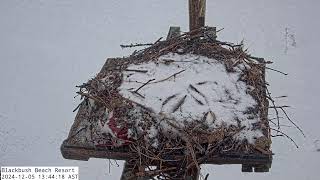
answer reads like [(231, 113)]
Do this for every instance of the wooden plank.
[(247, 168), (85, 153)]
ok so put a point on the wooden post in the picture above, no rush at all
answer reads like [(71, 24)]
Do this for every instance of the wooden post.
[(197, 12), (174, 31)]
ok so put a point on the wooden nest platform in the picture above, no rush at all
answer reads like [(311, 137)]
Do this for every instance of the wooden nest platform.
[(168, 108)]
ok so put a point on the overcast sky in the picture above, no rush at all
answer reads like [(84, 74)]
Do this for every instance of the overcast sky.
[(47, 47)]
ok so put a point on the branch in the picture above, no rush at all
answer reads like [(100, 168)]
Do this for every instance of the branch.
[(144, 85), (277, 71), (285, 136), (135, 45), (279, 107), (293, 122), (137, 70), (168, 99), (275, 109), (179, 104), (169, 76)]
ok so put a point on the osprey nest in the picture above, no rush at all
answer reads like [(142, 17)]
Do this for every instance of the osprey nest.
[(190, 96)]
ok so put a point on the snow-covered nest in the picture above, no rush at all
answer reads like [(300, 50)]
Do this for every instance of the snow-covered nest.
[(191, 88), (189, 96)]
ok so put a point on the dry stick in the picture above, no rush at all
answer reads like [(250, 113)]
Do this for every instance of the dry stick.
[(135, 45), (280, 97), (171, 46), (186, 139), (193, 154), (92, 97), (155, 156), (277, 71), (195, 31), (79, 130), (275, 109), (140, 95), (201, 83), (157, 41), (168, 99), (197, 100), (169, 77), (260, 60), (137, 70), (77, 107), (220, 30), (179, 104), (179, 39), (293, 122), (285, 136), (272, 122), (182, 38), (196, 90), (144, 85), (279, 107), (227, 44)]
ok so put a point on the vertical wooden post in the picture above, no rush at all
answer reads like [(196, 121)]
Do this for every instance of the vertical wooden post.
[(202, 13), (197, 12)]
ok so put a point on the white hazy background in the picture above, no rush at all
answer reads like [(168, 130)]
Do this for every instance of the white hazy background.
[(47, 47)]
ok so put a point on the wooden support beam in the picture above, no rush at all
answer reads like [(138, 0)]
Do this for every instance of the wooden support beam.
[(202, 13), (197, 12), (174, 31)]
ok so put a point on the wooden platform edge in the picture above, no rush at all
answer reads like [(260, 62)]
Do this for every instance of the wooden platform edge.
[(249, 161)]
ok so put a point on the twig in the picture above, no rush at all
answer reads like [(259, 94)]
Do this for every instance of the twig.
[(193, 155), (196, 90), (135, 45), (227, 44), (77, 107), (75, 134), (220, 30), (168, 99), (280, 97), (293, 122), (275, 109), (197, 100), (179, 104), (173, 75), (140, 95), (144, 85), (92, 97), (157, 41), (277, 71), (137, 70), (202, 83), (279, 107), (285, 136), (260, 60)]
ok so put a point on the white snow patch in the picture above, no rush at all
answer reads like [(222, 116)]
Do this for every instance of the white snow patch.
[(209, 90), (249, 135)]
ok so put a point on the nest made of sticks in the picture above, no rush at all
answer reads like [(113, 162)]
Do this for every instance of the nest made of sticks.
[(193, 142)]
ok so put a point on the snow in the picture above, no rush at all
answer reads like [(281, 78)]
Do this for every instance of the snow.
[(49, 47), (207, 90)]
